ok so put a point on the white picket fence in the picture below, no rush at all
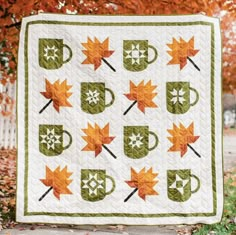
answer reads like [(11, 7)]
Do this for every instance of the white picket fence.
[(8, 123)]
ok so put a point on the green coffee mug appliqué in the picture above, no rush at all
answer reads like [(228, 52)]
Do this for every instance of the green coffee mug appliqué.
[(178, 97), (180, 185), (136, 141), (94, 185), (93, 97), (136, 56), (51, 53), (51, 141)]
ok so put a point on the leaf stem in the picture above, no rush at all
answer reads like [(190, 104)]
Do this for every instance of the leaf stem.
[(105, 61), (109, 151), (50, 101), (130, 107), (193, 63), (42, 197), (194, 150), (131, 194)]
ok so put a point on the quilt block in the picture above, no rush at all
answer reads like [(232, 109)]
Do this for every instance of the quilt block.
[(119, 120)]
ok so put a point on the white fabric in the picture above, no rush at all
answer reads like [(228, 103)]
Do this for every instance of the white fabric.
[(158, 119)]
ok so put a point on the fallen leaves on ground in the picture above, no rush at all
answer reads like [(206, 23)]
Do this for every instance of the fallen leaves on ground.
[(230, 176), (186, 230), (118, 228), (7, 188)]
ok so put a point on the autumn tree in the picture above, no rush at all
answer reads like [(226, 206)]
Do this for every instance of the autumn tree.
[(12, 12)]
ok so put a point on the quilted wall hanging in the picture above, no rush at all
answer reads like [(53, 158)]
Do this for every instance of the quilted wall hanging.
[(119, 120)]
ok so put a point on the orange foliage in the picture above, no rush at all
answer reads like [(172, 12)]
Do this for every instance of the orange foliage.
[(12, 11)]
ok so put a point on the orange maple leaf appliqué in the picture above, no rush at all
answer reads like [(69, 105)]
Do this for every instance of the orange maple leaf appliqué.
[(142, 94), (181, 138), (57, 93), (96, 52), (96, 138), (144, 182), (182, 51), (58, 180)]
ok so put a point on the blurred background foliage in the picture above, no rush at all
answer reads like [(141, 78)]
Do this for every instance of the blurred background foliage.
[(12, 12)]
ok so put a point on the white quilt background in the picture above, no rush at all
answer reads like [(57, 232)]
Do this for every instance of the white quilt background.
[(158, 119)]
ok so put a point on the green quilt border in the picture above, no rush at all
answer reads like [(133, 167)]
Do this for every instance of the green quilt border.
[(213, 213)]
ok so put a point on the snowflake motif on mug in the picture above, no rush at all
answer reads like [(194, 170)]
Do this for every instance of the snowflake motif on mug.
[(178, 96), (50, 53), (136, 140), (92, 96), (50, 139)]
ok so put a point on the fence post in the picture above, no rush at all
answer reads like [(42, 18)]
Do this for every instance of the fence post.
[(8, 122)]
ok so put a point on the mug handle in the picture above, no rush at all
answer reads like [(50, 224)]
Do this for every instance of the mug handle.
[(156, 141), (70, 54), (113, 184), (70, 142), (155, 54), (197, 95), (198, 183), (112, 97)]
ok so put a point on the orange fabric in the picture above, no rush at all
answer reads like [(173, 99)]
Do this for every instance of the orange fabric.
[(95, 51), (58, 93), (181, 50), (96, 137), (144, 182), (143, 94), (181, 137), (59, 180)]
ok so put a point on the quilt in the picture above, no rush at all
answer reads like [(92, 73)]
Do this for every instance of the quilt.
[(119, 120)]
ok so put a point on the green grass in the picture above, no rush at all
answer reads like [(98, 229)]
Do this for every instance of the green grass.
[(227, 226)]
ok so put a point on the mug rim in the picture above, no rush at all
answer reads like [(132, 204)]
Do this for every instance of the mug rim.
[(136, 126), (45, 125), (83, 83), (52, 39), (138, 40), (179, 170), (178, 82), (93, 170)]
